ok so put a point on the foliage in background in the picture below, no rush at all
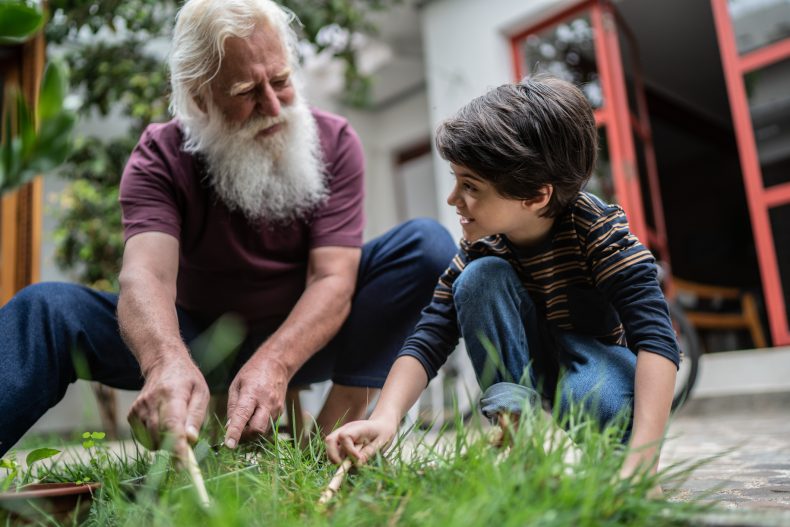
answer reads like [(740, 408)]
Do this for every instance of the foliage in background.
[(36, 141), (19, 20), (115, 68)]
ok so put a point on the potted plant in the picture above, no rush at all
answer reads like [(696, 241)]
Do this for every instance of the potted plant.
[(25, 496)]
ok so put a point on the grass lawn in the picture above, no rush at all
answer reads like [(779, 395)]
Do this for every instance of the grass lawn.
[(426, 479)]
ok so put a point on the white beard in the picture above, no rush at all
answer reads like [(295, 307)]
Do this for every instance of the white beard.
[(274, 179)]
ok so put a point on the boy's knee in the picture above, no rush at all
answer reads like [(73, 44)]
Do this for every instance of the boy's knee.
[(483, 276), (596, 401)]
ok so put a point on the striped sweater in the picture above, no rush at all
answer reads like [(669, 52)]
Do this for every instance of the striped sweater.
[(590, 276)]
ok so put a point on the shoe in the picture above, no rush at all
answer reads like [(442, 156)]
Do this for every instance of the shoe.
[(505, 431)]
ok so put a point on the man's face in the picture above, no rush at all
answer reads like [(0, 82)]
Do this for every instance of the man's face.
[(254, 80), (260, 139)]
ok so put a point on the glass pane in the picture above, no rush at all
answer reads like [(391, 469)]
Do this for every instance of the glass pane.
[(780, 226), (601, 183), (758, 23), (768, 91), (566, 50)]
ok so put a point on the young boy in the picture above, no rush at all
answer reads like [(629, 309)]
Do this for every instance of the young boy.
[(548, 274)]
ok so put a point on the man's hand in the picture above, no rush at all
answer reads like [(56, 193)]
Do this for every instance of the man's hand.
[(360, 439), (255, 398), (172, 402)]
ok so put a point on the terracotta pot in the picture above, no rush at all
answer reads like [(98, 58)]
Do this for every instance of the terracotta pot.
[(66, 502)]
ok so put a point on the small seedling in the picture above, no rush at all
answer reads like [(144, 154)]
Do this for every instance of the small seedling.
[(91, 439)]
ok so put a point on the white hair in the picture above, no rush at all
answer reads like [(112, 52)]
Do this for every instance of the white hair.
[(202, 26)]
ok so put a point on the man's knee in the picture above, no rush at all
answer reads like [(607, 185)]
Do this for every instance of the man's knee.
[(43, 296), (431, 243)]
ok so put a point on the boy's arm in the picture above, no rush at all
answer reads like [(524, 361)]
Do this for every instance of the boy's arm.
[(362, 439), (653, 389)]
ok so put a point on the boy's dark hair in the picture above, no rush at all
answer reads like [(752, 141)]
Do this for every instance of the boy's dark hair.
[(521, 137)]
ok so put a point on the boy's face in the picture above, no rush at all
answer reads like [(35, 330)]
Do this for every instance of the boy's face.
[(485, 212)]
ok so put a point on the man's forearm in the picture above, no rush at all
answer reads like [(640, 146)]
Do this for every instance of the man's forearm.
[(148, 321), (313, 322)]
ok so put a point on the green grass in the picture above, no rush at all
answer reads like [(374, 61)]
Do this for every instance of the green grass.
[(449, 479)]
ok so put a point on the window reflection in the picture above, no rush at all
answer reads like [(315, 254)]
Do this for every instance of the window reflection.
[(568, 52), (758, 23), (601, 183), (769, 105)]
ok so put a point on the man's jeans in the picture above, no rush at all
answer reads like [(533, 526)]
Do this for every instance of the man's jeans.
[(513, 350), (53, 333)]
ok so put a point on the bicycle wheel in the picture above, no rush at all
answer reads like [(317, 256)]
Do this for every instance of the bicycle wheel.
[(690, 351), (453, 393)]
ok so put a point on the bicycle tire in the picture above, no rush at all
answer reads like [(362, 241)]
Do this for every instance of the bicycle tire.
[(690, 352)]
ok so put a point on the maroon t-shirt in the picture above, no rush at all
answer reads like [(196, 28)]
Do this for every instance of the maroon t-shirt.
[(226, 263)]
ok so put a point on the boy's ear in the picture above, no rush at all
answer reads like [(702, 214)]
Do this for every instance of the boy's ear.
[(540, 201)]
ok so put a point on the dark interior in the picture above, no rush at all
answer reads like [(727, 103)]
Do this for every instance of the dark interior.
[(707, 219)]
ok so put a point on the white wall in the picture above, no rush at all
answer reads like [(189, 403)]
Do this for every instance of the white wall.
[(383, 134), (467, 52)]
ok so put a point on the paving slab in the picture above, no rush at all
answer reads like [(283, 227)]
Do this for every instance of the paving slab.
[(745, 442)]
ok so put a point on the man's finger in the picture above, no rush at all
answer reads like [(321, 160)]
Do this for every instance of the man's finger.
[(238, 420), (144, 421), (172, 420), (196, 413), (233, 398), (258, 423)]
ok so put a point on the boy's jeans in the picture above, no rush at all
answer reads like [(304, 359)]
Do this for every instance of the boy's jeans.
[(493, 305), (43, 324)]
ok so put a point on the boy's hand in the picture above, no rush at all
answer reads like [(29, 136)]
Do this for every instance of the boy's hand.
[(637, 461), (359, 439)]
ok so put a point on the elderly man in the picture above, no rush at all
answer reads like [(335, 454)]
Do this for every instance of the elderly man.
[(248, 202)]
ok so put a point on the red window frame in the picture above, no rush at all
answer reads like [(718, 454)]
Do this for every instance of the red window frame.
[(759, 198)]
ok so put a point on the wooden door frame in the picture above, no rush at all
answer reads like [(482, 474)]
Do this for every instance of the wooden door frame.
[(22, 67)]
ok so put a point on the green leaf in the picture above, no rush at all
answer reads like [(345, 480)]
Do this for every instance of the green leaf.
[(53, 89), (97, 435), (19, 21), (26, 127), (39, 454), (9, 464), (86, 435), (88, 444)]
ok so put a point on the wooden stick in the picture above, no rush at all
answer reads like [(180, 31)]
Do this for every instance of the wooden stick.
[(337, 480), (197, 479)]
